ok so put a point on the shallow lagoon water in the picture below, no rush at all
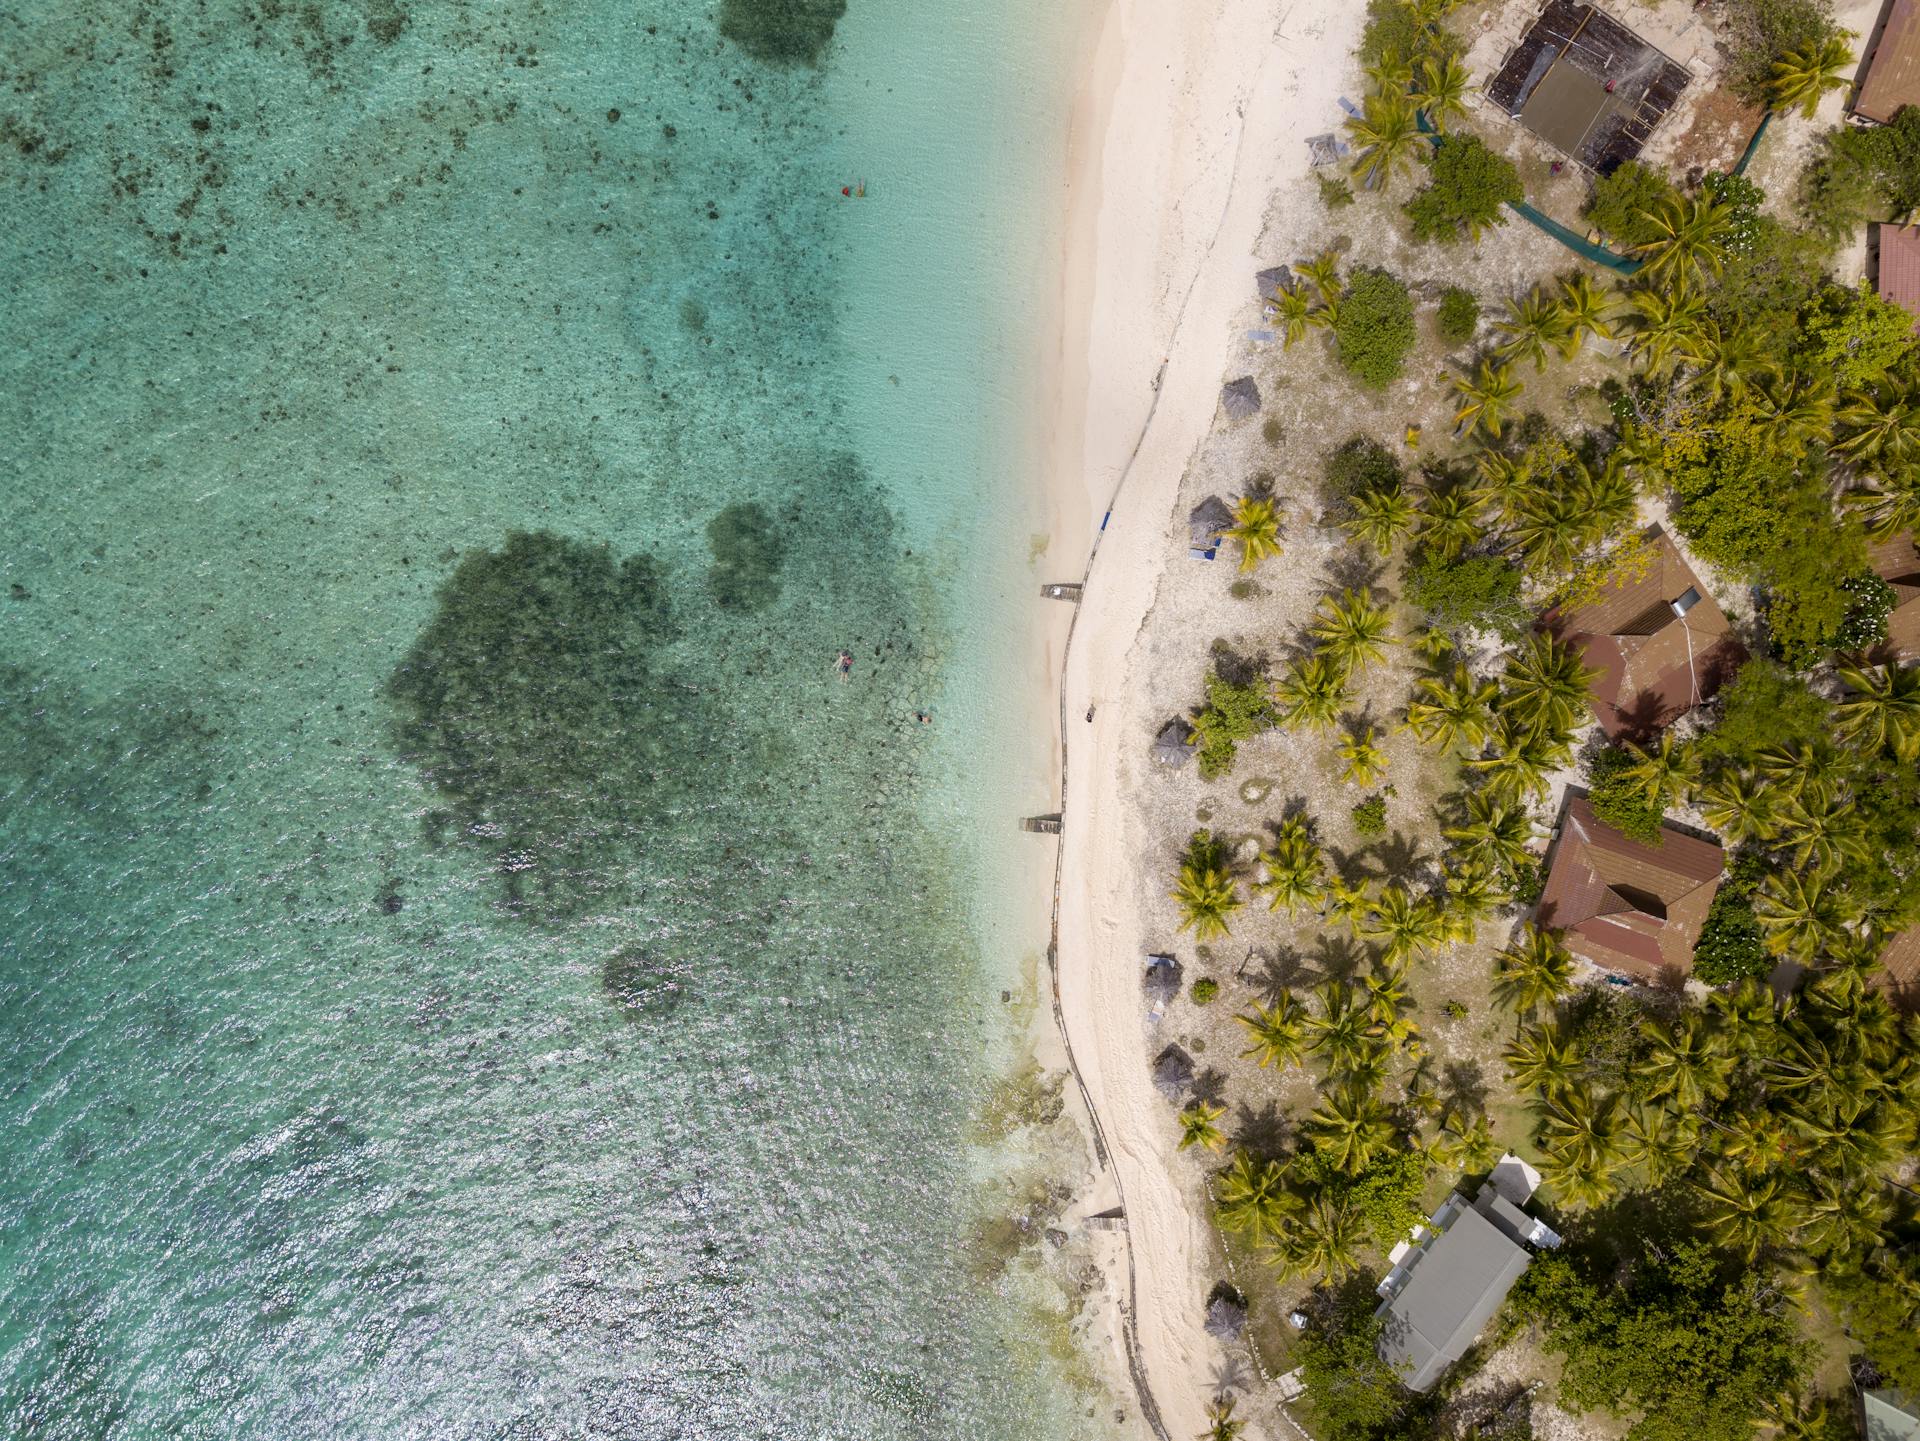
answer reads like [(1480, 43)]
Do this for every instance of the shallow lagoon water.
[(468, 965)]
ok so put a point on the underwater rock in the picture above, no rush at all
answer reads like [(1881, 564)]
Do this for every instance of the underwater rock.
[(747, 555), (781, 32), (640, 986)]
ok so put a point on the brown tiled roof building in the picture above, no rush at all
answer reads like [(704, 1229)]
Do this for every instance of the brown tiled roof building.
[(1893, 73), (1899, 973), (1660, 643), (1898, 272), (1897, 562), (1625, 905)]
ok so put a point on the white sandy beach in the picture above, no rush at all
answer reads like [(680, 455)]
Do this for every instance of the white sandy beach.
[(1192, 117)]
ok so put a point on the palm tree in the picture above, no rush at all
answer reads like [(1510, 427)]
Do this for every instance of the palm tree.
[(1535, 970), (1351, 1127), (1386, 992), (1884, 708), (1205, 890), (1313, 691), (1800, 913), (1533, 326), (1690, 236), (1450, 521), (1580, 1181), (1740, 806), (1324, 1240), (1581, 1127), (1660, 1143), (1669, 327), (1890, 504), (1340, 1030), (1279, 1037), (1496, 830), (1256, 526), (1366, 762), (1352, 629), (1296, 871), (1685, 1062), (1198, 1126), (1386, 136), (1443, 90), (1294, 310), (1797, 409), (1323, 274), (1583, 312), (1220, 1423), (1348, 905), (1251, 1196), (1486, 397), (1747, 1215), (1389, 73), (1543, 1059), (1451, 711), (1792, 766), (1880, 425), (1733, 361), (1520, 764), (1380, 517), (1665, 774), (1840, 1218), (1408, 924), (1801, 77), (1467, 1148), (1546, 684), (1473, 893), (1550, 528), (1821, 831), (1745, 1014)]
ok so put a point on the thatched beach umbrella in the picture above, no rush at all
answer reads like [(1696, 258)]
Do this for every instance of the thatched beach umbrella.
[(1226, 1314), (1172, 1073), (1207, 522), (1174, 745), (1265, 282), (1240, 398)]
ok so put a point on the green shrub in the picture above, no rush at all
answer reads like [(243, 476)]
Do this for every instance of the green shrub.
[(1867, 172), (1454, 1010), (1759, 32), (1619, 801), (1730, 947), (1362, 465), (1480, 591), (1459, 316), (1852, 336), (1470, 189), (1866, 624), (1204, 990), (1233, 713), (1370, 816), (1621, 202), (1375, 328), (1351, 1394), (1334, 190)]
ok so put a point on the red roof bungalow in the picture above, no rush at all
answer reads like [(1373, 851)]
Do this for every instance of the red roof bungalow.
[(1625, 905), (1892, 78), (1897, 562), (1660, 643), (1899, 973)]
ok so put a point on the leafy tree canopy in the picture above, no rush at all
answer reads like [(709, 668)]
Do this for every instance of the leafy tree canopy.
[(1759, 32), (1624, 201), (1471, 187), (1459, 315), (1479, 591), (1232, 713), (1620, 801), (1853, 336), (1375, 328)]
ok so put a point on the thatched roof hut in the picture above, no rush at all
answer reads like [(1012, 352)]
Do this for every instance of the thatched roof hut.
[(1206, 523), (1240, 398), (1226, 1314), (1174, 745), (1162, 981), (1172, 1073), (1266, 282)]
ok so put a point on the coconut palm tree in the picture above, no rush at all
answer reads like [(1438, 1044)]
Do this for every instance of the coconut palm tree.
[(1296, 871), (1669, 328), (1443, 90), (1256, 528), (1339, 1030), (1884, 709), (1251, 1197), (1386, 137), (1800, 913), (1535, 970), (1659, 1142), (1666, 774), (1543, 1059), (1205, 890), (1199, 1126), (1882, 424), (1409, 925), (1792, 766), (1385, 992), (1550, 527), (1323, 274), (1821, 831), (1486, 399), (1740, 806), (1466, 1146), (1474, 891), (1279, 1036), (1797, 409), (1389, 73), (1450, 520), (1520, 764), (1733, 361), (1348, 905), (1221, 1425), (1533, 325), (1578, 1180), (1685, 1062), (1745, 1014), (1801, 77), (1313, 691), (1351, 1127), (1366, 762), (1546, 685), (1581, 1127), (1352, 629), (1747, 1215), (1889, 504), (1689, 238), (1324, 1240), (1451, 711), (1294, 310), (1584, 308), (1496, 830), (1380, 517)]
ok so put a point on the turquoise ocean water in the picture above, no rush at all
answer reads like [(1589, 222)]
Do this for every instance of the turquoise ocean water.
[(469, 968)]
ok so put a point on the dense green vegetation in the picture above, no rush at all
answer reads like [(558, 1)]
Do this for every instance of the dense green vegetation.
[(1470, 189), (1458, 316), (1375, 327)]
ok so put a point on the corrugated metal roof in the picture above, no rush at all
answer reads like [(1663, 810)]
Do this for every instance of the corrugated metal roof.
[(1893, 75), (1450, 1295)]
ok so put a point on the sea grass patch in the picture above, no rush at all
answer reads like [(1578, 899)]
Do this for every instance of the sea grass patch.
[(782, 32), (747, 555)]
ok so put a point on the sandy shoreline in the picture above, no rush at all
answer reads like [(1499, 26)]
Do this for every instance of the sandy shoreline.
[(1188, 122)]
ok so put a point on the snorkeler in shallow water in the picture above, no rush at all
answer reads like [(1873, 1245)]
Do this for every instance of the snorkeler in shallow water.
[(843, 663)]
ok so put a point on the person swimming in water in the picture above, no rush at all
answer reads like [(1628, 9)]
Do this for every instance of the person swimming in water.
[(844, 663)]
